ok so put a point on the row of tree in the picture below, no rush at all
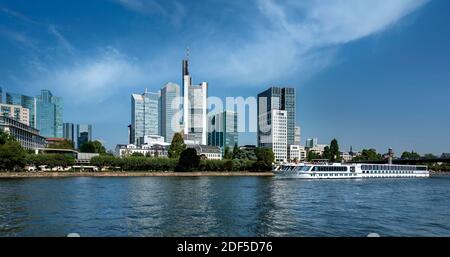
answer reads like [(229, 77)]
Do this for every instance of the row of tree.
[(188, 161), (88, 147)]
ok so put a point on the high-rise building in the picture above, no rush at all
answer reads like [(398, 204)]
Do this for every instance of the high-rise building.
[(16, 112), (84, 134), (69, 132), (222, 130), (281, 100), (297, 136), (144, 115), (277, 98), (288, 104), (311, 142), (170, 105), (194, 107), (273, 133), (49, 115), (26, 102)]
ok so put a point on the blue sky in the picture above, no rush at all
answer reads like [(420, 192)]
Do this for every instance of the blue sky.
[(369, 73)]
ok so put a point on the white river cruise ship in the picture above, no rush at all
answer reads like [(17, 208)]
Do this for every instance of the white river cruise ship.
[(346, 171)]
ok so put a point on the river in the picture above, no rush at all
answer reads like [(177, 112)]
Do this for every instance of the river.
[(224, 206)]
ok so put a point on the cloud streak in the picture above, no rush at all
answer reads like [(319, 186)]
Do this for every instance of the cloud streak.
[(61, 39), (297, 37)]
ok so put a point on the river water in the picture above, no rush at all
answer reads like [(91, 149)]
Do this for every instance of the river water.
[(224, 206)]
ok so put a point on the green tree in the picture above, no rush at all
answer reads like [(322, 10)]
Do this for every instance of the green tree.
[(430, 156), (5, 137), (177, 146), (137, 155), (410, 155), (368, 155), (63, 144), (188, 161), (326, 153), (93, 147), (265, 158), (228, 154), (312, 156), (334, 151), (12, 155), (235, 149), (265, 155)]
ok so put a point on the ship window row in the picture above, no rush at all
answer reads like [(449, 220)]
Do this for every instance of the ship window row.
[(392, 167), (334, 175), (387, 172), (329, 168)]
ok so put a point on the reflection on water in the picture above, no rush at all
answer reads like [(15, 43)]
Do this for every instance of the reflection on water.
[(224, 206)]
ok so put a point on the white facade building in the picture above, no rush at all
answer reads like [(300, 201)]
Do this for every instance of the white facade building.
[(146, 150), (194, 108), (297, 153), (273, 133), (317, 149), (297, 135), (207, 151), (16, 112)]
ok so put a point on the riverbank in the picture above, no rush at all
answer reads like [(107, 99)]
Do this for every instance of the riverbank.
[(439, 173), (131, 174)]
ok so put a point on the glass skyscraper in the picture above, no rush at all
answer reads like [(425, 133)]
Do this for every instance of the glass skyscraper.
[(277, 98), (49, 115), (69, 132), (170, 106), (26, 102), (223, 129), (144, 116), (84, 134)]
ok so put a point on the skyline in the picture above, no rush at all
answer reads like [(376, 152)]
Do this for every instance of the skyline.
[(327, 90)]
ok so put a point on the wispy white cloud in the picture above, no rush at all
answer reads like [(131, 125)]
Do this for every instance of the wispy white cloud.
[(98, 77), (21, 39), (298, 37), (17, 15), (61, 39), (174, 12)]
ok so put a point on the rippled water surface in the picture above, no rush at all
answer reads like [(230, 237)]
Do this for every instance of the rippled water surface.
[(224, 206)]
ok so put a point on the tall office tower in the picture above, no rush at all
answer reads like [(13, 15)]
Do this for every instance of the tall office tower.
[(144, 116), (273, 133), (26, 102), (49, 114), (276, 98), (84, 134), (194, 107), (311, 142), (297, 137), (222, 129), (69, 132), (288, 104), (170, 105), (15, 112)]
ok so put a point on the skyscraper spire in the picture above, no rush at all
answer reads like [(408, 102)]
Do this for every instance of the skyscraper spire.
[(185, 70)]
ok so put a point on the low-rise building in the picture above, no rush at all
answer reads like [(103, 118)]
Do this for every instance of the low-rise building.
[(317, 149), (28, 137), (297, 153), (154, 150), (207, 151)]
